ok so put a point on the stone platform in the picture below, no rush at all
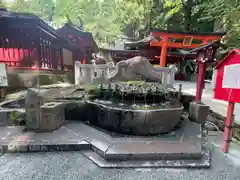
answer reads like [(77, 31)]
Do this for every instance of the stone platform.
[(185, 147)]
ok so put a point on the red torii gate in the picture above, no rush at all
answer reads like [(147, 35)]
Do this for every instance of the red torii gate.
[(184, 40), (205, 44)]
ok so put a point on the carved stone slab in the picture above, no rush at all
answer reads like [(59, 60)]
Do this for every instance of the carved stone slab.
[(137, 68), (33, 102)]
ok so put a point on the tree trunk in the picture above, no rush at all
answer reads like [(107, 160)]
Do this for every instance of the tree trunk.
[(187, 14)]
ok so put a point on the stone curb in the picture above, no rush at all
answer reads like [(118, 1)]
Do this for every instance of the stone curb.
[(22, 148), (152, 156), (203, 162)]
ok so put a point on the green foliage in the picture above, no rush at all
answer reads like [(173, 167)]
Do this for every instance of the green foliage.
[(45, 80), (101, 18), (41, 8), (226, 14), (18, 117), (110, 19)]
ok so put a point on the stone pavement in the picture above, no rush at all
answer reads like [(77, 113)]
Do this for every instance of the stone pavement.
[(217, 106), (186, 149), (75, 166)]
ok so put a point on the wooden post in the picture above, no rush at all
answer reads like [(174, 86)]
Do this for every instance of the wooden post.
[(163, 57), (84, 57), (180, 66), (228, 127), (200, 82)]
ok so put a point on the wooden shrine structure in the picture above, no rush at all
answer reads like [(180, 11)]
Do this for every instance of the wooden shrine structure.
[(164, 47), (180, 40), (28, 42), (83, 40)]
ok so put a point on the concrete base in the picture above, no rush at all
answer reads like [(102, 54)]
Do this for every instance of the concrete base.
[(198, 112), (185, 147)]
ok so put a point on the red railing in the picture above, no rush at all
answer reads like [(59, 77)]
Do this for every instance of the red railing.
[(14, 57)]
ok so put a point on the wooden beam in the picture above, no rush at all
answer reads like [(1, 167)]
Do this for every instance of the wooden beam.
[(172, 44), (199, 37)]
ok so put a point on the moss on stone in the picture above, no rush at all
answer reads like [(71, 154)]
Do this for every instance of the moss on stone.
[(45, 79), (91, 88), (14, 80), (58, 78)]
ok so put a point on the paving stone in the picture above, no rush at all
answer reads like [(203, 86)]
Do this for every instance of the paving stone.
[(192, 134), (8, 133), (99, 141)]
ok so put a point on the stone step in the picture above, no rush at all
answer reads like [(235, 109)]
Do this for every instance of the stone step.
[(152, 150), (186, 145), (17, 146), (203, 162)]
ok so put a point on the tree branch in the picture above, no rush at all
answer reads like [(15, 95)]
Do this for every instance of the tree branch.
[(184, 5)]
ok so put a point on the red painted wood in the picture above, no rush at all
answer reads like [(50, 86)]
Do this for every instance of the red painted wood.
[(179, 35), (200, 82), (175, 45), (163, 57), (228, 129)]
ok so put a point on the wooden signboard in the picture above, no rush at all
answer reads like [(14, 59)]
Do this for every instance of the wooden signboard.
[(187, 41), (231, 76), (228, 89)]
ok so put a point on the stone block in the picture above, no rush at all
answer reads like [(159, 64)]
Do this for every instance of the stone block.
[(33, 102), (33, 99), (198, 112), (52, 116), (33, 117)]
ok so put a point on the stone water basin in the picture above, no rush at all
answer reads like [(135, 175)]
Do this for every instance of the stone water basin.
[(136, 119)]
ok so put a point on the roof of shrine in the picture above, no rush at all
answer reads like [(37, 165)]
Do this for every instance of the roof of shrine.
[(234, 51), (85, 37), (171, 53), (215, 43), (28, 20), (140, 43)]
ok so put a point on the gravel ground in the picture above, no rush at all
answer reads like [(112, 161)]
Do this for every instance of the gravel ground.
[(74, 166)]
